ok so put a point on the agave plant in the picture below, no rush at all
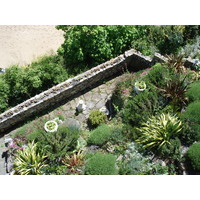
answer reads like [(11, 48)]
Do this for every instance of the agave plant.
[(159, 130), (29, 161)]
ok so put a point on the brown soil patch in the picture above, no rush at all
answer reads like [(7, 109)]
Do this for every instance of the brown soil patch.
[(21, 44)]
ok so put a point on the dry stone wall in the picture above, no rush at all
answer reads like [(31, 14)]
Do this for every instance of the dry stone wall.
[(131, 59)]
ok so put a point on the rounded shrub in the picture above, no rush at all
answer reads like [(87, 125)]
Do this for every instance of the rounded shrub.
[(193, 93), (96, 118), (193, 155), (140, 107), (158, 74), (100, 135), (191, 115), (101, 164)]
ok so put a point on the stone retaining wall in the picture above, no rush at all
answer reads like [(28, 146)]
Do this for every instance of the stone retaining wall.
[(131, 59)]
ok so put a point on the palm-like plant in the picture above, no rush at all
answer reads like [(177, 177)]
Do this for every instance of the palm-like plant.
[(175, 90), (159, 130), (74, 161), (29, 161), (176, 62)]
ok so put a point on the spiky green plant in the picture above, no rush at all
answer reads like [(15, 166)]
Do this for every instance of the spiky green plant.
[(176, 62), (175, 90), (29, 161), (159, 130)]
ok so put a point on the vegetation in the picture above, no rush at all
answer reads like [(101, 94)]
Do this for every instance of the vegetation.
[(191, 115), (193, 93), (100, 135), (158, 131), (29, 161), (193, 155), (148, 131), (135, 163), (96, 118), (140, 107), (101, 164)]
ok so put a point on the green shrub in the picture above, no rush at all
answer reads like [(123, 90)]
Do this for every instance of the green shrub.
[(168, 39), (56, 144), (29, 161), (158, 131), (193, 93), (101, 164), (100, 135), (134, 163), (191, 31), (90, 45), (193, 154), (25, 82), (187, 135), (158, 75), (140, 107), (192, 49), (117, 135), (4, 94), (96, 118), (171, 151), (191, 115)]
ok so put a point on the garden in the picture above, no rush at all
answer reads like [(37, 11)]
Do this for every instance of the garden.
[(153, 127)]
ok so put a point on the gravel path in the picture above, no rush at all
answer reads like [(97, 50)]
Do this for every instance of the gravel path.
[(21, 44)]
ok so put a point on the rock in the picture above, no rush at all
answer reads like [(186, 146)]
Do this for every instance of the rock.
[(70, 122), (93, 147), (104, 110), (8, 141), (120, 157)]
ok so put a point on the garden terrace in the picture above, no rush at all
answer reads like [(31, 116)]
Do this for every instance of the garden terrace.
[(131, 60)]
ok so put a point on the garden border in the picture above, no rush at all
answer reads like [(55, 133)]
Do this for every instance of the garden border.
[(131, 59)]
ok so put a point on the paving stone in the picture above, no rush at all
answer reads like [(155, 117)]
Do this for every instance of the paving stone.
[(104, 96), (66, 107), (100, 104), (96, 97), (80, 117), (73, 104), (69, 113), (87, 96), (90, 105)]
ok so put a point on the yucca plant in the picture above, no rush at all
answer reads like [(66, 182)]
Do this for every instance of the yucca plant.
[(159, 130), (29, 161)]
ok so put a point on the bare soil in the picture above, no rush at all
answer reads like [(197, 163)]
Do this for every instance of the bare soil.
[(22, 44)]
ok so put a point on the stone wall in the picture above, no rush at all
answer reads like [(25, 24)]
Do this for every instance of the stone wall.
[(132, 59)]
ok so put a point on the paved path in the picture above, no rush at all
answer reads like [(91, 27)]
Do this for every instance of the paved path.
[(21, 44), (94, 99)]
